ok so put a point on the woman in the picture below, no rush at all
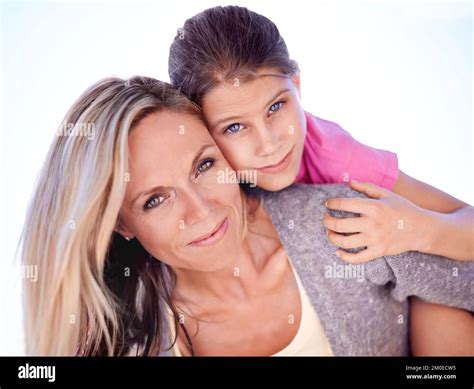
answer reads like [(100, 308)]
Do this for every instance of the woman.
[(240, 274)]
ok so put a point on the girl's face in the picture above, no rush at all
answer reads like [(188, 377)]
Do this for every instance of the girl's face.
[(174, 204), (259, 125)]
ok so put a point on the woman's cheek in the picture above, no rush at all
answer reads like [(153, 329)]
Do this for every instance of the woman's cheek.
[(157, 239), (220, 183)]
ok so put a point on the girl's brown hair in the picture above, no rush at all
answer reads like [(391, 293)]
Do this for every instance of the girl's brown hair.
[(224, 43)]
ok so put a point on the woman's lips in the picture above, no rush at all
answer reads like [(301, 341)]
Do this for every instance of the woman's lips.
[(214, 236), (280, 166)]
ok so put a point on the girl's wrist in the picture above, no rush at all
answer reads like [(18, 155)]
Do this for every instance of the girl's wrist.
[(438, 228), (429, 227)]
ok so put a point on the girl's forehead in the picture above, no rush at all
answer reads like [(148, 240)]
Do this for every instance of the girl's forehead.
[(255, 90)]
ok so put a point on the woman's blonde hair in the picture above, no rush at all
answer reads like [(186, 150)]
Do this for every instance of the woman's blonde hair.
[(89, 278)]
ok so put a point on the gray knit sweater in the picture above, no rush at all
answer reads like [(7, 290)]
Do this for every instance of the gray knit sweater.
[(363, 309)]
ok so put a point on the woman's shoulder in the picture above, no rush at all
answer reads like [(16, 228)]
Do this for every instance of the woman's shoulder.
[(297, 214), (305, 201), (313, 190)]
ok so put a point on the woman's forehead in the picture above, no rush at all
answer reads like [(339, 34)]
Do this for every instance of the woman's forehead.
[(163, 147), (165, 136), (167, 125)]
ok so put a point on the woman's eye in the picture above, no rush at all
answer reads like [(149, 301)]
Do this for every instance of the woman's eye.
[(204, 165), (276, 106), (233, 128), (154, 201)]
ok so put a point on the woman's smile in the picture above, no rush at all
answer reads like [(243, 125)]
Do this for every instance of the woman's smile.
[(212, 237)]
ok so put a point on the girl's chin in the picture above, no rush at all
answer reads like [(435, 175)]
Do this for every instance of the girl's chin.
[(276, 182)]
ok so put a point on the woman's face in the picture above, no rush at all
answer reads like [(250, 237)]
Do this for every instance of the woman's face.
[(259, 125), (173, 199)]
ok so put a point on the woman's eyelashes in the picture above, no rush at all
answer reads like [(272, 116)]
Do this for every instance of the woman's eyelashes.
[(204, 165), (159, 198), (237, 127), (154, 201)]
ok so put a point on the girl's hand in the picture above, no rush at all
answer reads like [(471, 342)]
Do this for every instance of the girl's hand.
[(388, 224)]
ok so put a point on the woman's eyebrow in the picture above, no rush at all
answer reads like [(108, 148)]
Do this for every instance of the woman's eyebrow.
[(145, 192), (219, 122), (200, 152)]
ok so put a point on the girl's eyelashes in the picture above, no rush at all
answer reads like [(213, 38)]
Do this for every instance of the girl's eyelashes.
[(237, 127), (233, 128), (275, 107), (154, 201), (204, 165)]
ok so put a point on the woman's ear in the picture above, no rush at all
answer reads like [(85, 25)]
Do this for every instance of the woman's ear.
[(122, 229)]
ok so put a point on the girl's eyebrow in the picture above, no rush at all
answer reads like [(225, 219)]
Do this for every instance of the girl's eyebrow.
[(219, 122), (280, 92)]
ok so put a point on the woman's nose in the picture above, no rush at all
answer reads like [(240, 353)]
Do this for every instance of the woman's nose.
[(197, 206)]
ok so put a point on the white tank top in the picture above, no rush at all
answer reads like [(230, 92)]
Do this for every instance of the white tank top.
[(310, 340)]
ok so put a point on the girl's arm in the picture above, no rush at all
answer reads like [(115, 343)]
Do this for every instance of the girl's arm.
[(414, 217), (437, 329), (441, 317), (440, 330), (449, 221)]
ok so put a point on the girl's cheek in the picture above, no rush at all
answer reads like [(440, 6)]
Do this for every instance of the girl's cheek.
[(238, 153), (246, 155), (293, 120), (287, 128), (296, 126)]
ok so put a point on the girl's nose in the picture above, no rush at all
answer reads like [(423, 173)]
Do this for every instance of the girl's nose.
[(268, 141)]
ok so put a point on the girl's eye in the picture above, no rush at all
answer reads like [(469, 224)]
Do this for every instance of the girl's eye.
[(154, 201), (205, 165), (233, 128), (276, 106)]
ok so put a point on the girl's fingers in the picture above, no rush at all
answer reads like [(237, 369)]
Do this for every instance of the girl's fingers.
[(371, 190), (362, 206), (344, 225), (360, 257), (347, 241)]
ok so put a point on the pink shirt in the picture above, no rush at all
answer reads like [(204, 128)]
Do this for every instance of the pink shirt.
[(332, 155)]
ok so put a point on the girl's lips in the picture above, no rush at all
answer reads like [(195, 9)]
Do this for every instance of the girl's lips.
[(280, 166), (215, 236)]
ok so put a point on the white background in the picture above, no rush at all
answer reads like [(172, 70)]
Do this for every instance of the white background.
[(396, 74)]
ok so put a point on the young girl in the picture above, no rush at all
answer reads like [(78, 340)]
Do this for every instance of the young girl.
[(235, 65)]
